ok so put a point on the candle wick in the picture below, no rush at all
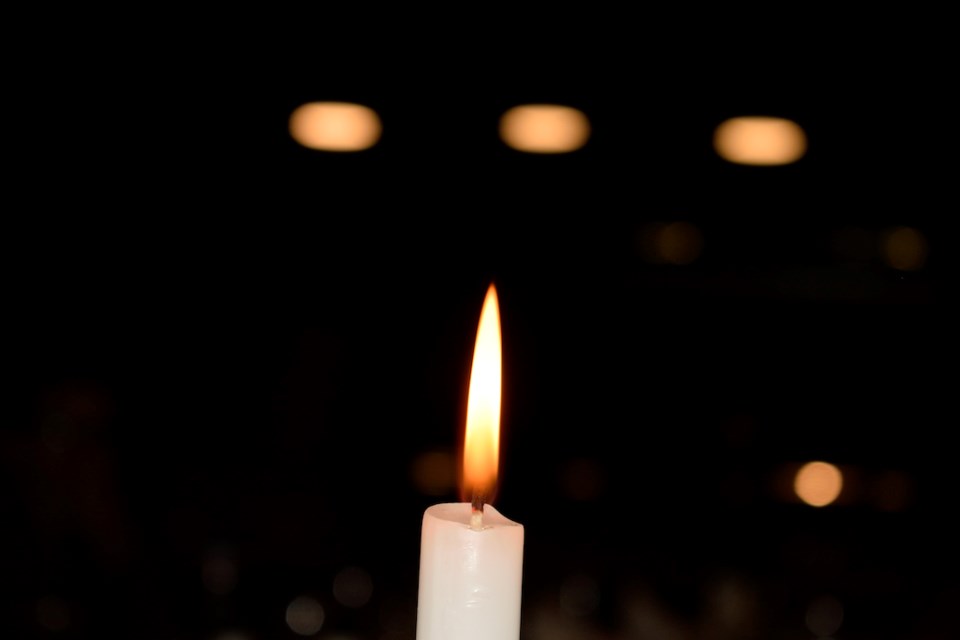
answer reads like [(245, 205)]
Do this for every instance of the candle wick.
[(476, 511)]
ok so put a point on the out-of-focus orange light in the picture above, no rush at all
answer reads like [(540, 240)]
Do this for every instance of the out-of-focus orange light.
[(760, 140), (676, 243), (818, 483), (335, 126), (434, 473), (544, 128), (904, 248), (481, 448)]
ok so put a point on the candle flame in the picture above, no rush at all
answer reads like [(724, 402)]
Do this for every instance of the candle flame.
[(481, 448)]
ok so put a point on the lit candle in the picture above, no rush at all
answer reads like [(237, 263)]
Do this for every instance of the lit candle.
[(471, 557)]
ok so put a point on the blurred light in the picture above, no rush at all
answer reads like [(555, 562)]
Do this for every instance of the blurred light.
[(818, 483), (582, 479), (434, 473), (758, 140), (53, 614), (352, 587), (544, 128), (892, 491), (305, 616), (732, 606), (904, 248), (676, 243), (579, 595), (219, 573), (335, 126), (824, 616)]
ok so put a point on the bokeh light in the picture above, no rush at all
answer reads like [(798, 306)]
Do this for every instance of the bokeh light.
[(434, 473), (544, 128), (305, 616), (904, 248), (352, 587), (760, 140), (677, 243), (818, 483), (824, 616), (335, 126)]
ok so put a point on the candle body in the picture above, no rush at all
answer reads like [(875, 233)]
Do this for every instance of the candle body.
[(469, 580)]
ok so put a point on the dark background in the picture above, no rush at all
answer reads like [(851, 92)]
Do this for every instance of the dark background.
[(226, 350)]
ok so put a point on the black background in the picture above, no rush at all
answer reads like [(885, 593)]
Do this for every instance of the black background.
[(220, 342)]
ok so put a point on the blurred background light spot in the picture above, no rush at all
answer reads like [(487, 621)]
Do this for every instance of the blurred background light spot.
[(818, 483), (760, 140), (824, 616), (904, 248), (352, 587), (219, 572), (676, 243), (544, 128), (582, 479), (53, 613), (579, 595), (335, 126), (732, 606), (305, 616), (892, 491), (434, 473)]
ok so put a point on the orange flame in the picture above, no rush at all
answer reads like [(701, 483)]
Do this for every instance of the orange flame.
[(481, 448)]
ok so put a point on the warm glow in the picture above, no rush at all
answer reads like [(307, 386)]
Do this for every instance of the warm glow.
[(818, 483), (677, 243), (335, 126), (544, 128), (305, 616), (482, 443), (434, 473), (760, 140), (904, 248)]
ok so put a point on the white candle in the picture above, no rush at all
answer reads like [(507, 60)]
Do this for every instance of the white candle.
[(471, 557)]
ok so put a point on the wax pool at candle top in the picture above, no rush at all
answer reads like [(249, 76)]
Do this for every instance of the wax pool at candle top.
[(469, 580)]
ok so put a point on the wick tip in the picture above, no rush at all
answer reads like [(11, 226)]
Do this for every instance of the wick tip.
[(477, 503), (476, 512)]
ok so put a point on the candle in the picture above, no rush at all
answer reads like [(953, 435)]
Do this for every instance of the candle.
[(471, 557)]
